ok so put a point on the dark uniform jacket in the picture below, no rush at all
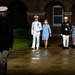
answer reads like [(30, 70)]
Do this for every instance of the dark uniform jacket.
[(65, 28), (6, 34)]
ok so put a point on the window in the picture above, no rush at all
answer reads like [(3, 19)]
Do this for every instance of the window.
[(57, 15)]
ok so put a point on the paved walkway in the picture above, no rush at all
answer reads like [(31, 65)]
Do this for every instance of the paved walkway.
[(51, 61)]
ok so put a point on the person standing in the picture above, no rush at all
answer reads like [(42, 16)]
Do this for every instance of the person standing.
[(6, 39), (65, 32), (35, 32), (46, 32), (73, 35)]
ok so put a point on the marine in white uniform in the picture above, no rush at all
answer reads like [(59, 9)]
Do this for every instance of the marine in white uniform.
[(65, 31), (35, 31)]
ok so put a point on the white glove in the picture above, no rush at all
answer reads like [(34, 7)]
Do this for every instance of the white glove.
[(61, 34)]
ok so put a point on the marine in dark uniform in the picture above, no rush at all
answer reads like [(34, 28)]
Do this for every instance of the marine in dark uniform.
[(6, 39), (65, 32)]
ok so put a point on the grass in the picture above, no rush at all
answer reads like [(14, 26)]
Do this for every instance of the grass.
[(21, 43)]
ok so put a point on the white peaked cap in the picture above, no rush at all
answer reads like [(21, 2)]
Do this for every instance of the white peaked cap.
[(3, 8), (65, 17), (36, 16)]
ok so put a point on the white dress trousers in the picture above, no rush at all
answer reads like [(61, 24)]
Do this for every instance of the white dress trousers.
[(65, 40)]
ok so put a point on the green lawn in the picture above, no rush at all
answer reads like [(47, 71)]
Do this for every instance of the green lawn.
[(21, 42)]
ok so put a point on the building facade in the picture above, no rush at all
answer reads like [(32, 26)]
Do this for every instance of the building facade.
[(53, 10)]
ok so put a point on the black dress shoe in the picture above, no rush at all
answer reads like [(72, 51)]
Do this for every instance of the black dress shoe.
[(64, 48), (73, 46)]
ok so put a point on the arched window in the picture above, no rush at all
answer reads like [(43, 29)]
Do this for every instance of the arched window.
[(57, 15)]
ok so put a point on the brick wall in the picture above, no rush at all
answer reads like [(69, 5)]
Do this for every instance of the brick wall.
[(43, 8)]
